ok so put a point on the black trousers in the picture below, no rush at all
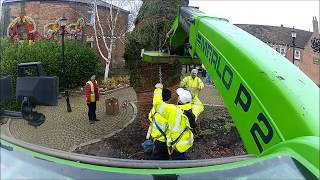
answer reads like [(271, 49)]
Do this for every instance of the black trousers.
[(92, 111), (160, 151), (204, 72), (178, 156)]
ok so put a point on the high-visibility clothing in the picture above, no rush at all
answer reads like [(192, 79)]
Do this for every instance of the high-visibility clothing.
[(92, 91), (193, 84), (162, 124), (178, 123), (203, 67), (196, 106)]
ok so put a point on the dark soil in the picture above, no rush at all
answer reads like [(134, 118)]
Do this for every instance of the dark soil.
[(216, 138)]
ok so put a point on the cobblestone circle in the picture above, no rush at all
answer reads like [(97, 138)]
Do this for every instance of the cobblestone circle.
[(63, 130)]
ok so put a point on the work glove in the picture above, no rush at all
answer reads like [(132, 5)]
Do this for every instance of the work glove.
[(159, 85), (198, 88)]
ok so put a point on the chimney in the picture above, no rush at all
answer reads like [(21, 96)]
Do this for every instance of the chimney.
[(315, 24)]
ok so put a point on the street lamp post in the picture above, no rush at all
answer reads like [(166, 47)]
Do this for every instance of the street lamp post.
[(63, 23), (293, 35)]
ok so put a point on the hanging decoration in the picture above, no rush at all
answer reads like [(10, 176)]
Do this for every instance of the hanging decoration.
[(76, 29), (51, 29), (22, 28), (315, 44)]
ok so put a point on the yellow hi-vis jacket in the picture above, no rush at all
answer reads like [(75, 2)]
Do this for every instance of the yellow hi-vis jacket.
[(92, 95), (178, 123), (196, 106), (192, 84), (161, 122), (203, 67)]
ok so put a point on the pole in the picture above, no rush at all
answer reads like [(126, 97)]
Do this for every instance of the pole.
[(293, 46), (66, 92)]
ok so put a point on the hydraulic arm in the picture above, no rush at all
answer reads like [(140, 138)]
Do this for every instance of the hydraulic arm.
[(271, 101)]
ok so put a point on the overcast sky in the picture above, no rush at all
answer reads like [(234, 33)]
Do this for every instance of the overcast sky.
[(289, 13)]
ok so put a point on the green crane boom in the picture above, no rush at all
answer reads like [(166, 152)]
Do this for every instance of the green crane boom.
[(273, 103)]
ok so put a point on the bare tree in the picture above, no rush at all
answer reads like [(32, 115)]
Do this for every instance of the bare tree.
[(110, 28)]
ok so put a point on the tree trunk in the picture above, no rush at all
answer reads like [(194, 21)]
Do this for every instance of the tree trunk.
[(106, 71), (148, 77)]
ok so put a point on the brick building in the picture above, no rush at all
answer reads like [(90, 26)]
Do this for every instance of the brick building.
[(39, 19), (278, 37)]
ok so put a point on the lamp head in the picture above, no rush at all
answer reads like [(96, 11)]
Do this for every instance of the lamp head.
[(63, 21), (293, 33)]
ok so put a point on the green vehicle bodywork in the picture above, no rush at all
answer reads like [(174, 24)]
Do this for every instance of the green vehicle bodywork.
[(274, 105)]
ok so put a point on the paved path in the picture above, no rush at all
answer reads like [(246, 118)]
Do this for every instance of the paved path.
[(209, 95), (65, 131)]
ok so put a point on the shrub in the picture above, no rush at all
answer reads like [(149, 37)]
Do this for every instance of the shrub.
[(80, 61), (113, 82)]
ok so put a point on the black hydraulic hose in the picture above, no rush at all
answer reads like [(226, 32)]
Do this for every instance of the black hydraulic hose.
[(13, 114)]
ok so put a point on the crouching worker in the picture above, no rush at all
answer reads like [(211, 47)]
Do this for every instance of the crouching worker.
[(180, 122), (159, 127)]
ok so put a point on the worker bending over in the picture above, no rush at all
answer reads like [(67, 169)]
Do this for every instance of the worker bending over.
[(181, 120), (193, 83), (159, 130)]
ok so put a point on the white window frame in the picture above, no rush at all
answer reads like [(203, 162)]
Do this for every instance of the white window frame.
[(297, 54), (90, 40), (90, 18), (284, 51)]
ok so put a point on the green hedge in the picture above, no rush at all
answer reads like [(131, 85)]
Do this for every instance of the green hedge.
[(80, 61)]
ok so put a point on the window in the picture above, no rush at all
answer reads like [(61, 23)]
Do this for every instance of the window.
[(316, 61), (90, 44), (283, 51), (90, 18), (297, 54)]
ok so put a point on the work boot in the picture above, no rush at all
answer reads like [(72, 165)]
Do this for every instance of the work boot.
[(97, 120), (91, 122)]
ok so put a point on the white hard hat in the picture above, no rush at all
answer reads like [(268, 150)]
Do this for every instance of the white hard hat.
[(184, 95), (194, 71)]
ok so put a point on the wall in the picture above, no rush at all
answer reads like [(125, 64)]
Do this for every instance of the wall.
[(307, 65), (44, 12)]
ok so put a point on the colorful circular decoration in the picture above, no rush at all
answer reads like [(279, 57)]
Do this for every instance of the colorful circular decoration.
[(22, 28), (51, 29), (76, 28)]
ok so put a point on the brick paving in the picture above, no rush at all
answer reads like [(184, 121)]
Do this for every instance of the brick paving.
[(64, 131), (209, 95)]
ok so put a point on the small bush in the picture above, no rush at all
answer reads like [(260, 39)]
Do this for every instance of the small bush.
[(112, 83)]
